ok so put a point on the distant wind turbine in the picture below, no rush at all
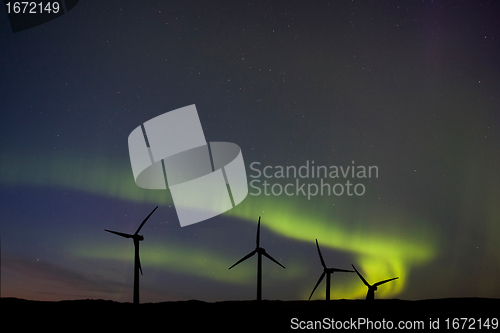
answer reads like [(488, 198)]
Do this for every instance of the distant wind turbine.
[(137, 262), (372, 288), (260, 251), (328, 272)]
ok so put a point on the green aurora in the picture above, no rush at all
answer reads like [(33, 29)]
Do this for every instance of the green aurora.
[(380, 251)]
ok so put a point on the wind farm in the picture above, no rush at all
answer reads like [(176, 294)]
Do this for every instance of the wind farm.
[(327, 271), (273, 314)]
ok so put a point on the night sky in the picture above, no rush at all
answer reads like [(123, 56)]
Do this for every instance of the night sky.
[(411, 87)]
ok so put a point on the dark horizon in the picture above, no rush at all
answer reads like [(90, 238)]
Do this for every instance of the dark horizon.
[(444, 314)]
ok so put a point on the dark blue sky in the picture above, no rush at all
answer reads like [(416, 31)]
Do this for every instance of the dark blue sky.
[(408, 86)]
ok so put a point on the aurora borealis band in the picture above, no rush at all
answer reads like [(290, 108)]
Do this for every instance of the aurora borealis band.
[(409, 87)]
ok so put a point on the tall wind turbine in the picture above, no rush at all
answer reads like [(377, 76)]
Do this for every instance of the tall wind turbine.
[(137, 262), (260, 251), (372, 288), (328, 272)]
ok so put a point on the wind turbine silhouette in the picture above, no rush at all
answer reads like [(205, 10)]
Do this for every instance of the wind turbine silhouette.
[(328, 272), (372, 288), (137, 262), (260, 251)]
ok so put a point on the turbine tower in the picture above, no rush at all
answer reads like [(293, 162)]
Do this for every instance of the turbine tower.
[(372, 288), (260, 251), (137, 262), (328, 272)]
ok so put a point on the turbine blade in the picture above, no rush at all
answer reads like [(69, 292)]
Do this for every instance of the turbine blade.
[(342, 270), (244, 258), (269, 256), (139, 262), (385, 281), (317, 283), (320, 256), (145, 221), (119, 233), (361, 277), (258, 233)]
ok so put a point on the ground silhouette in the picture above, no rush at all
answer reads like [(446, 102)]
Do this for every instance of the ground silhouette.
[(235, 316)]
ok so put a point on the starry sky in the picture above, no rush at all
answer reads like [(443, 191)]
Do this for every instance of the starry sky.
[(411, 87)]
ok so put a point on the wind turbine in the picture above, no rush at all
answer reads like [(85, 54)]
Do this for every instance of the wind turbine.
[(372, 288), (260, 251), (137, 262), (328, 272)]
